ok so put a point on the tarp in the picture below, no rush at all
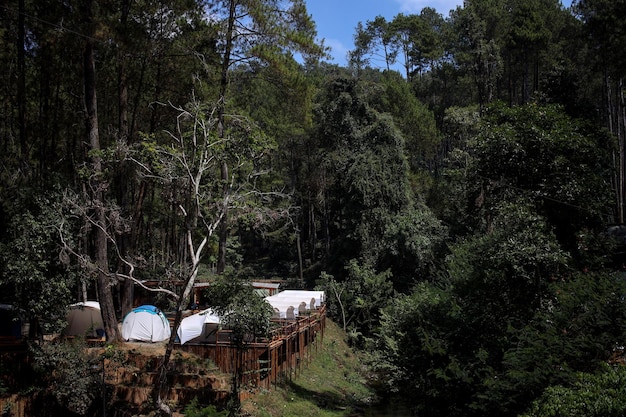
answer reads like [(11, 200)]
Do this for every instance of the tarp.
[(146, 324), (284, 300), (11, 321), (198, 328), (84, 319)]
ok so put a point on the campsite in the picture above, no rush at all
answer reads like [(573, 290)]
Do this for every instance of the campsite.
[(195, 194), (264, 360)]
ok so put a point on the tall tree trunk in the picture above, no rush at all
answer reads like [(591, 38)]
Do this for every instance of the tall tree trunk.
[(157, 96), (125, 192), (100, 234), (21, 84), (223, 231), (525, 77), (621, 137), (161, 387), (122, 76), (312, 228), (615, 124), (300, 263), (510, 87)]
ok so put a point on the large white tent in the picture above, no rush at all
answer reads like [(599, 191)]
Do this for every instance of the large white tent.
[(84, 319), (146, 324), (299, 296), (289, 303), (198, 328)]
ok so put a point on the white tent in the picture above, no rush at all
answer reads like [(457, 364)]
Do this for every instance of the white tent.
[(297, 296), (300, 300), (199, 327), (284, 311), (146, 324), (84, 319)]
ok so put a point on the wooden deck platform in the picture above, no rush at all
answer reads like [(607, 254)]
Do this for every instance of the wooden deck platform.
[(266, 361)]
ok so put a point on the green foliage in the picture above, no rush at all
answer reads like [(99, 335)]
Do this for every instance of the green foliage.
[(604, 24), (194, 409), (69, 373), (415, 354), (559, 165), (510, 266), (524, 191), (444, 342), (412, 118), (409, 245), (578, 328), (356, 300), (35, 274), (599, 394), (374, 215), (529, 186), (452, 194), (539, 151), (531, 24), (273, 29), (242, 311), (372, 290), (474, 352)]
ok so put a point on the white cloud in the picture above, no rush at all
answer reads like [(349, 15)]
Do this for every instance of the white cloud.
[(416, 6), (338, 49)]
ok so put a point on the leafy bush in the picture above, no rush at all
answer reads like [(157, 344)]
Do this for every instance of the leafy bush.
[(68, 373), (593, 395), (193, 409)]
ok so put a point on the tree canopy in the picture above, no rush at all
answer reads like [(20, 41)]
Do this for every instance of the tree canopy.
[(460, 212)]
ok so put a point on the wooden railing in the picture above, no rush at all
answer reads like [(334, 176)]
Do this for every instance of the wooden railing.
[(268, 360)]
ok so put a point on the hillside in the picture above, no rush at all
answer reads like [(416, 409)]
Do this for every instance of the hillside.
[(332, 384)]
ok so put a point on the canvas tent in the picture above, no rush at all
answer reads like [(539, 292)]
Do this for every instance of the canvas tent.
[(291, 303), (146, 324), (11, 321), (297, 296), (84, 319), (198, 328)]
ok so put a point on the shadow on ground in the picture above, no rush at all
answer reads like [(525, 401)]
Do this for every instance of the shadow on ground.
[(329, 400)]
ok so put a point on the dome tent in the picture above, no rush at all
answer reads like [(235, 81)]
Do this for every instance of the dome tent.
[(146, 324), (84, 319)]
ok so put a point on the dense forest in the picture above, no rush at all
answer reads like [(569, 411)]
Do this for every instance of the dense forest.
[(464, 215)]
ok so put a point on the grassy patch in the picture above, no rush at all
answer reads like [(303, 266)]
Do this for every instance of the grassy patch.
[(331, 384)]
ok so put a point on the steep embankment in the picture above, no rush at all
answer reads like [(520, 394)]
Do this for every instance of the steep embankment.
[(330, 384), (130, 370)]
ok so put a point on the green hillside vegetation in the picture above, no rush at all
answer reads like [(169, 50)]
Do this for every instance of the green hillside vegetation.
[(333, 383)]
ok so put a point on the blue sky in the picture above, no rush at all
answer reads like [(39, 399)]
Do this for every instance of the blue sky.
[(336, 20)]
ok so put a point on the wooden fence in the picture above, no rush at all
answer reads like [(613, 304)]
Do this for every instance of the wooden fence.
[(266, 361)]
